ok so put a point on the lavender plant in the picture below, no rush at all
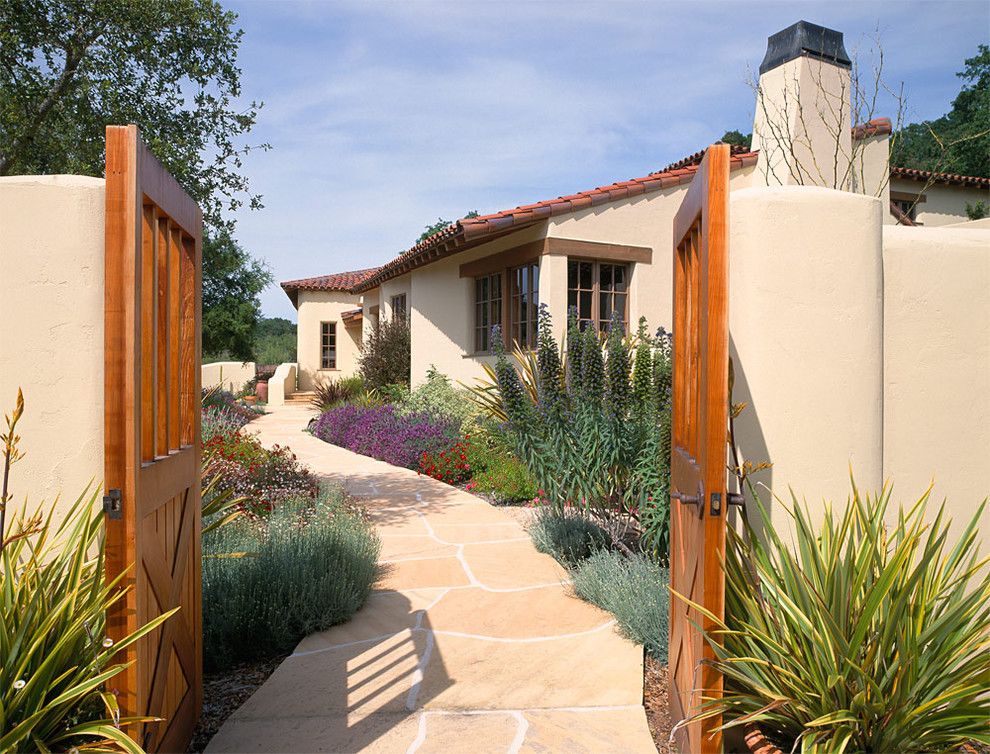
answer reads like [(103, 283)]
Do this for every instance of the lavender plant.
[(384, 433)]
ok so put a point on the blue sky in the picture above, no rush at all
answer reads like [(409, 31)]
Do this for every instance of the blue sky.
[(384, 116)]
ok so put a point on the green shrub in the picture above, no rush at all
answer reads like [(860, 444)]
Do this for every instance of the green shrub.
[(385, 357), (393, 392), (440, 399), (308, 567), (505, 477), (634, 590), (859, 636), (593, 428), (569, 537)]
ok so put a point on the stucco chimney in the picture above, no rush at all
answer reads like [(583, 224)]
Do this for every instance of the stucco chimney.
[(802, 122)]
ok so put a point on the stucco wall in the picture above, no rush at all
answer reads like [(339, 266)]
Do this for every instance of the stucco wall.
[(282, 384), (937, 366), (806, 330), (231, 375), (313, 308), (943, 205), (51, 339)]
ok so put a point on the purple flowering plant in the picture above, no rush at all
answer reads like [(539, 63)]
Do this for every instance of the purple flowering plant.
[(382, 433)]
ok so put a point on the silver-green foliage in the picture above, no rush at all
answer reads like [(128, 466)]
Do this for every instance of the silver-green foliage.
[(304, 568), (867, 633), (570, 537), (438, 398), (597, 433), (634, 590)]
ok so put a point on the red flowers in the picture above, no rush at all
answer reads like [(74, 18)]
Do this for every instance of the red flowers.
[(450, 466)]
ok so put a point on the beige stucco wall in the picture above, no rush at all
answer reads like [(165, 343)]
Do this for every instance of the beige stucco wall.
[(806, 338), (313, 308), (51, 339), (230, 375), (802, 119), (943, 205), (870, 171), (282, 384), (937, 366)]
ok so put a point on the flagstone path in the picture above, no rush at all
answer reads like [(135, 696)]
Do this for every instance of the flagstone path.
[(470, 643)]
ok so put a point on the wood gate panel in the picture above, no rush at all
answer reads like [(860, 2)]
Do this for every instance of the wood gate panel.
[(151, 435), (698, 444)]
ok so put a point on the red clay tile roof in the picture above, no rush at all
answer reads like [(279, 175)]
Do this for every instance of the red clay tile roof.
[(352, 316), (949, 178), (470, 232), (875, 127), (340, 281)]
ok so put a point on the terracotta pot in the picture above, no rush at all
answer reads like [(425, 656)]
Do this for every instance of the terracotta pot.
[(757, 743), (250, 399), (261, 390)]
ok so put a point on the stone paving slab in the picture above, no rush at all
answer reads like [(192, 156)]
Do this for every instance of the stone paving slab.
[(471, 641)]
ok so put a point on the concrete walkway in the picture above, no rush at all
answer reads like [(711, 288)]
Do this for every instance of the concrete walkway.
[(470, 643)]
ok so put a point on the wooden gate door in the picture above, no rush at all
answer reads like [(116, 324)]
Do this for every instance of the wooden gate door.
[(151, 441), (698, 446)]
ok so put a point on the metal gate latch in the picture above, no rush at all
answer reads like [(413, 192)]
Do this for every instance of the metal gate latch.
[(112, 505)]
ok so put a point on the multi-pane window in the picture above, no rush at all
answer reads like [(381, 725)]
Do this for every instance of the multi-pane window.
[(328, 345), (525, 306), (596, 289), (399, 307), (487, 309)]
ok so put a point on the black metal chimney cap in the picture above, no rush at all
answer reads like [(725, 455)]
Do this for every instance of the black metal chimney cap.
[(804, 38)]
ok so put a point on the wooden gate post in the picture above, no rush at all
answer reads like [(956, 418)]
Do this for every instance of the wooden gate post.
[(152, 453)]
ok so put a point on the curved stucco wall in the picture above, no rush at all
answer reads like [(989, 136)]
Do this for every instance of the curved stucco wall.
[(806, 338), (51, 338), (937, 366)]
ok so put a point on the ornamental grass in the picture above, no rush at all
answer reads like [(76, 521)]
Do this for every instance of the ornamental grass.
[(867, 633)]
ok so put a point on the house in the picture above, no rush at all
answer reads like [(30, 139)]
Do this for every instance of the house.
[(608, 248)]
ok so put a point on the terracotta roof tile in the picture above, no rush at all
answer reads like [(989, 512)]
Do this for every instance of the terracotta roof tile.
[(339, 281), (949, 178), (875, 127)]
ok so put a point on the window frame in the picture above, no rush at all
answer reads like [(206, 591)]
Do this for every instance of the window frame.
[(398, 302), (328, 342), (596, 291), (493, 306), (530, 274)]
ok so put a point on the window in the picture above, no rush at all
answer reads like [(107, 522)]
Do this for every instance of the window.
[(399, 306), (525, 306), (487, 309), (328, 345), (596, 289), (907, 204)]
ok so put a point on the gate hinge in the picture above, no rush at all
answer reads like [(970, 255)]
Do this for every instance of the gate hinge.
[(112, 504)]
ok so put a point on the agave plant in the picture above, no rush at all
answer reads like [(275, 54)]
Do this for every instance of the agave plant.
[(862, 636)]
